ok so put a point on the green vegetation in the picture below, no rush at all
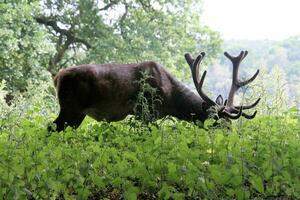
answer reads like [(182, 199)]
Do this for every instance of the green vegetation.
[(169, 159), (37, 38), (136, 159), (279, 58)]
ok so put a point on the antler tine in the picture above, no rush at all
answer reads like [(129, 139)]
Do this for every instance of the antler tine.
[(201, 93), (238, 58), (248, 106), (235, 83), (236, 62), (194, 65), (249, 116), (241, 84), (233, 116), (189, 59)]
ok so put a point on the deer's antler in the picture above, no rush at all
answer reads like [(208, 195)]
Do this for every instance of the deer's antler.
[(236, 84), (227, 109), (194, 65)]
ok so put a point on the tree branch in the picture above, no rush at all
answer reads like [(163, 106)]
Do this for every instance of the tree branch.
[(62, 45), (112, 3), (68, 33), (122, 21)]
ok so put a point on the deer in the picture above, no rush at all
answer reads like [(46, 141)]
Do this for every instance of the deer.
[(108, 92)]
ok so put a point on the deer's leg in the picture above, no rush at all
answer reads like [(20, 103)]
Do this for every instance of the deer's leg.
[(67, 117)]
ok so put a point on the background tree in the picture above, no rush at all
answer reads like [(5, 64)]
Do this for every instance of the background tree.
[(88, 31), (42, 36), (282, 57), (24, 45)]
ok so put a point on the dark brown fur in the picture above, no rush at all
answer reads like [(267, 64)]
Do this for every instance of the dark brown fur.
[(108, 92)]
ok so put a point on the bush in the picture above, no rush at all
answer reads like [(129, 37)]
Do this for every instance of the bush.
[(177, 160)]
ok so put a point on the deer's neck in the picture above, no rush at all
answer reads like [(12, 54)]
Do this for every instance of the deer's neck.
[(187, 105)]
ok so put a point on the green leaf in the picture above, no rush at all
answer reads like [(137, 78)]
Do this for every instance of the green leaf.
[(219, 175), (172, 172), (230, 192), (294, 109), (236, 180), (131, 193), (242, 194), (257, 183), (178, 196), (165, 192), (209, 123), (97, 180), (268, 172), (83, 193)]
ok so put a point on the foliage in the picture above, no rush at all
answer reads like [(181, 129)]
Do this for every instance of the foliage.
[(42, 36), (148, 100), (3, 94), (126, 31), (273, 95), (268, 55), (23, 46), (254, 159)]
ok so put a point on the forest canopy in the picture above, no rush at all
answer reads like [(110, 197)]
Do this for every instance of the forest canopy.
[(39, 37)]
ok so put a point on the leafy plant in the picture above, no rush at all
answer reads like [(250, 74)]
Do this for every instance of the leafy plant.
[(147, 100), (177, 160)]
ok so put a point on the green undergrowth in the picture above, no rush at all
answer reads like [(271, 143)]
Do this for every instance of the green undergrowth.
[(168, 160)]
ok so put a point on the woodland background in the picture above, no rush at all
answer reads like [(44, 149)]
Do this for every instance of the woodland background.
[(40, 37), (254, 159)]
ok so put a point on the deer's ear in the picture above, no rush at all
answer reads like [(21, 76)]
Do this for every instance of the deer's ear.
[(219, 100)]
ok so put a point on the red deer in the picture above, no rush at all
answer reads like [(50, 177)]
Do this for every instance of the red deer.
[(109, 91)]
